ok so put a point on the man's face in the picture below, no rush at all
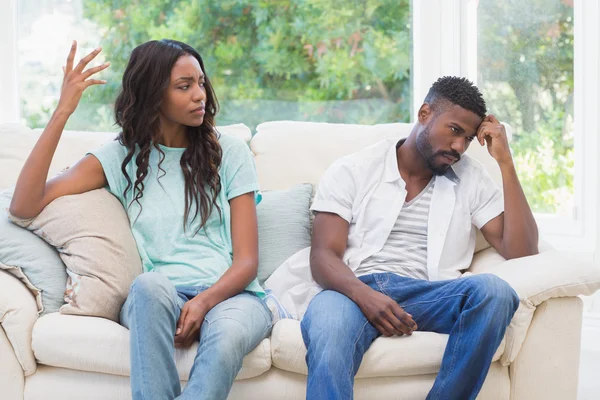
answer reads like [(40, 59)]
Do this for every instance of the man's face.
[(446, 136)]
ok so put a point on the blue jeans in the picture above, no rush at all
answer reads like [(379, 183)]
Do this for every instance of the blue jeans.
[(230, 330), (474, 311)]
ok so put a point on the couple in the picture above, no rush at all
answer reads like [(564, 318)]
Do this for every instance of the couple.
[(394, 226)]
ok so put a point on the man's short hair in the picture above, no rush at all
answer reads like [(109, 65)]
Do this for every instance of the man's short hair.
[(458, 91)]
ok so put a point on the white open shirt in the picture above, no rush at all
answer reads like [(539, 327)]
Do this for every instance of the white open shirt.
[(366, 189)]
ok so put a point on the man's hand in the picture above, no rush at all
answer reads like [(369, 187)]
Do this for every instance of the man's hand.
[(385, 314), (190, 321), (492, 132)]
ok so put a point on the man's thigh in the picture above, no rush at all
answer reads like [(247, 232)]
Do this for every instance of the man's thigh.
[(434, 305), (333, 315)]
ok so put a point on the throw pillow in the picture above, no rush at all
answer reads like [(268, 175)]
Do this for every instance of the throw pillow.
[(31, 260), (92, 235), (537, 278), (283, 226)]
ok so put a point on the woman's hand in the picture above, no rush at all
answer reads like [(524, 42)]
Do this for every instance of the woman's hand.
[(190, 321), (75, 80)]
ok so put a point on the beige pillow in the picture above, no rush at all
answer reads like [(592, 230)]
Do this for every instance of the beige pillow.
[(547, 275), (92, 235)]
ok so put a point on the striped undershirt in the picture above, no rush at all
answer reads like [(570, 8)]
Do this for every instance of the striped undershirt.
[(405, 250)]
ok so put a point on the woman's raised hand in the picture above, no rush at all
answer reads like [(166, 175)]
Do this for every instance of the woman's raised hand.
[(76, 80)]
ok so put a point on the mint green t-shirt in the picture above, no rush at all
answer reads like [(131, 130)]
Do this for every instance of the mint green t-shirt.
[(187, 258)]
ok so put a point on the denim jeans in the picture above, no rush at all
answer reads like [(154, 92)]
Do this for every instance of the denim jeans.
[(230, 330), (474, 311)]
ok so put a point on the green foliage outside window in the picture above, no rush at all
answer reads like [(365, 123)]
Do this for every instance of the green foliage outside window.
[(349, 61), (317, 60)]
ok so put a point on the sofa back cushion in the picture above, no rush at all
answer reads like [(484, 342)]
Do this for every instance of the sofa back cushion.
[(16, 142), (293, 152)]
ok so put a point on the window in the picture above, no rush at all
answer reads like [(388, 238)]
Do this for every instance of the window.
[(351, 61), (317, 60), (526, 73)]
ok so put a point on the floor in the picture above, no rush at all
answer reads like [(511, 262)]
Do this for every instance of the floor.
[(589, 369)]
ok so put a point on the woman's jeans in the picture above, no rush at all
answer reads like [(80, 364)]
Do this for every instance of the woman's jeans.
[(230, 330)]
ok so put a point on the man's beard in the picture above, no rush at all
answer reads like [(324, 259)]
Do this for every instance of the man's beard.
[(424, 147)]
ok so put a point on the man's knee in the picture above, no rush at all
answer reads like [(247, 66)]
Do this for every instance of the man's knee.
[(329, 320), (491, 288)]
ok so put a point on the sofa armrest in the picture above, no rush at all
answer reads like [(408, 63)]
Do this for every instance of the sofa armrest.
[(18, 314), (536, 279), (548, 363)]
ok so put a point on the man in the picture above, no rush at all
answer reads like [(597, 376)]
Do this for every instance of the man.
[(394, 226)]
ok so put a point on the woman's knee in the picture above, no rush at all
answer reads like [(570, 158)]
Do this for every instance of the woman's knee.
[(240, 322)]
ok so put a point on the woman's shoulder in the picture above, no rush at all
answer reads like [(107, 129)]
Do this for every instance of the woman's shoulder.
[(114, 147), (110, 152), (232, 146)]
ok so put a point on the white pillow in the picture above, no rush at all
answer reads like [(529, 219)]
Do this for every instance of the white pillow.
[(547, 275)]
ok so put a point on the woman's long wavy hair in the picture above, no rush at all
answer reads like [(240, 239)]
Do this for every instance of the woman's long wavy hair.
[(145, 80)]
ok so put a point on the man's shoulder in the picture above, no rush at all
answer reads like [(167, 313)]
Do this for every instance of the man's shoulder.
[(468, 168)]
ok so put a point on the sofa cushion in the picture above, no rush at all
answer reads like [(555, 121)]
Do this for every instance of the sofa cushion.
[(18, 314), (99, 345), (92, 235), (283, 226), (418, 354), (32, 260)]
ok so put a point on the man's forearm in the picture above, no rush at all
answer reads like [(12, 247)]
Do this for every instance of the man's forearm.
[(520, 234), (332, 273)]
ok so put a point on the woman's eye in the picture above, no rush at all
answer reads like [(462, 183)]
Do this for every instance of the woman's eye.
[(454, 129), (470, 138), (184, 87)]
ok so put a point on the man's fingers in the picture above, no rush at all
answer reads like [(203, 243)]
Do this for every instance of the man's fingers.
[(404, 317), (399, 326), (385, 328), (85, 60), (71, 57), (492, 118)]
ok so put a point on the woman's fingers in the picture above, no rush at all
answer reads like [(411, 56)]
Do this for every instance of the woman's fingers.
[(85, 60), (91, 82), (71, 57), (91, 71)]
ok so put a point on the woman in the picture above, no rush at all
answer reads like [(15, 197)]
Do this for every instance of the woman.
[(190, 197)]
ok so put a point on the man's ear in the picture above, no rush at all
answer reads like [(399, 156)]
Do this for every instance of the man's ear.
[(424, 113)]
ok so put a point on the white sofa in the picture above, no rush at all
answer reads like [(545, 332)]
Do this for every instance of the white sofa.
[(64, 356)]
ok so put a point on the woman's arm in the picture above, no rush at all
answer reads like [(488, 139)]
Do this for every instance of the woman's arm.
[(244, 237), (32, 192)]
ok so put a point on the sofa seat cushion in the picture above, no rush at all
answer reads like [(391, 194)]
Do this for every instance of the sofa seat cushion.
[(419, 354), (100, 345)]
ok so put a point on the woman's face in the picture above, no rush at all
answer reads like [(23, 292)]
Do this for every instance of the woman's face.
[(185, 98)]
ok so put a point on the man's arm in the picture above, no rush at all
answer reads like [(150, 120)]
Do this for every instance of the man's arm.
[(329, 241), (514, 233)]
